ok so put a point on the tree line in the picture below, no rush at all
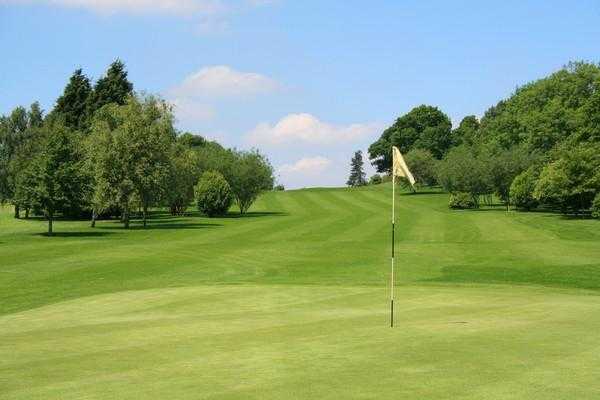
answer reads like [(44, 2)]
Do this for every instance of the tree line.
[(539, 148), (106, 151)]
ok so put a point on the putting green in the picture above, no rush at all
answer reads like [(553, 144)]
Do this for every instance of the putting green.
[(291, 302), (273, 342)]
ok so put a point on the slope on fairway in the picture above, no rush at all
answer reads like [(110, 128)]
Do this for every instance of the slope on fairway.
[(291, 302)]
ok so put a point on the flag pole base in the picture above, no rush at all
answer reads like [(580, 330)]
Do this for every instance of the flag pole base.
[(391, 313)]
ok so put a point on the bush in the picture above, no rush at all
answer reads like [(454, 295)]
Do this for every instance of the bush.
[(461, 201), (213, 194), (522, 188), (596, 206), (375, 179)]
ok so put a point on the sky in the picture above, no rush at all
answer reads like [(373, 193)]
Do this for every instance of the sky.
[(306, 82)]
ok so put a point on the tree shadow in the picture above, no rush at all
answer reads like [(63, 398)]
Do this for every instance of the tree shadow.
[(255, 214), (152, 226), (419, 193), (73, 234)]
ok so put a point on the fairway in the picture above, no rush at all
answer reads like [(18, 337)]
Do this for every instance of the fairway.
[(291, 301)]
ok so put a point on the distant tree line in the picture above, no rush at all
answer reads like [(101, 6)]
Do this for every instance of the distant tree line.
[(105, 151), (540, 148)]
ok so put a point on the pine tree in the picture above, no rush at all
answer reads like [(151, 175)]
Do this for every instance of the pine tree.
[(71, 107), (35, 115), (357, 174), (111, 88)]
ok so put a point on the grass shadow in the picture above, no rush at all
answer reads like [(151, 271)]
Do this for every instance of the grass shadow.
[(585, 276), (152, 226), (255, 214), (73, 234)]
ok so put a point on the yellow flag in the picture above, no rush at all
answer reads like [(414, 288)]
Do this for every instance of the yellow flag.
[(399, 166)]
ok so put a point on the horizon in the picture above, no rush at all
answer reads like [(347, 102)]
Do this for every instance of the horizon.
[(307, 84)]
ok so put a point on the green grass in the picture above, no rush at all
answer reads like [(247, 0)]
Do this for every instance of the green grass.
[(292, 302)]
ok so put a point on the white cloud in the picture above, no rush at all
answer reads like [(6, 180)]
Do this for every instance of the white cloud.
[(307, 165), (191, 111), (223, 81), (308, 129), (181, 7)]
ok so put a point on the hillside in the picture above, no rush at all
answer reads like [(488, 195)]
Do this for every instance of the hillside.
[(291, 300)]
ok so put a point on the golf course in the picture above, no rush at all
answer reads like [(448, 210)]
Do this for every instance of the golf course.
[(291, 301)]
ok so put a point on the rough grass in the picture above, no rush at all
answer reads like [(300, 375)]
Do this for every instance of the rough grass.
[(291, 302)]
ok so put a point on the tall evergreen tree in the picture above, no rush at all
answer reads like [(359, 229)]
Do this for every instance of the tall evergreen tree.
[(357, 174), (72, 106), (35, 115), (114, 87)]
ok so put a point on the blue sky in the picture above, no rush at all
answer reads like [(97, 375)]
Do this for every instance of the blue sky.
[(307, 82)]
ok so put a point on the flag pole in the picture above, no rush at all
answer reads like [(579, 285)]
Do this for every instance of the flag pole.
[(393, 233)]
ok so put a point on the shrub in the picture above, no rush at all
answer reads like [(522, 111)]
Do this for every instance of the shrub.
[(213, 194), (279, 188), (522, 188), (596, 206), (462, 201), (375, 179)]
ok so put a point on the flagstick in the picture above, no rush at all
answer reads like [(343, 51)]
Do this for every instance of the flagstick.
[(393, 232)]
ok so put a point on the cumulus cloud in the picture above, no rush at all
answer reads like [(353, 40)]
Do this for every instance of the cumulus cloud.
[(223, 81), (191, 111), (307, 165), (308, 129)]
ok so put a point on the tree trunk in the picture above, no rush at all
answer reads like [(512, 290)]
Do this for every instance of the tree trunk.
[(93, 224), (50, 217), (27, 213), (126, 217), (145, 212), (17, 212)]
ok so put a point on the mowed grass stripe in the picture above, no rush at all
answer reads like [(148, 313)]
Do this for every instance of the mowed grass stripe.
[(296, 342)]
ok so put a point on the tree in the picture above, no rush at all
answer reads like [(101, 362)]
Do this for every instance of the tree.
[(375, 179), (522, 188), (183, 175), (213, 194), (129, 149), (35, 116), (192, 141), (357, 174), (547, 112), (112, 88), (596, 206), (422, 165), (72, 105), (572, 181), (467, 131), (18, 139), (503, 166), (464, 170), (249, 175), (424, 127), (56, 177)]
